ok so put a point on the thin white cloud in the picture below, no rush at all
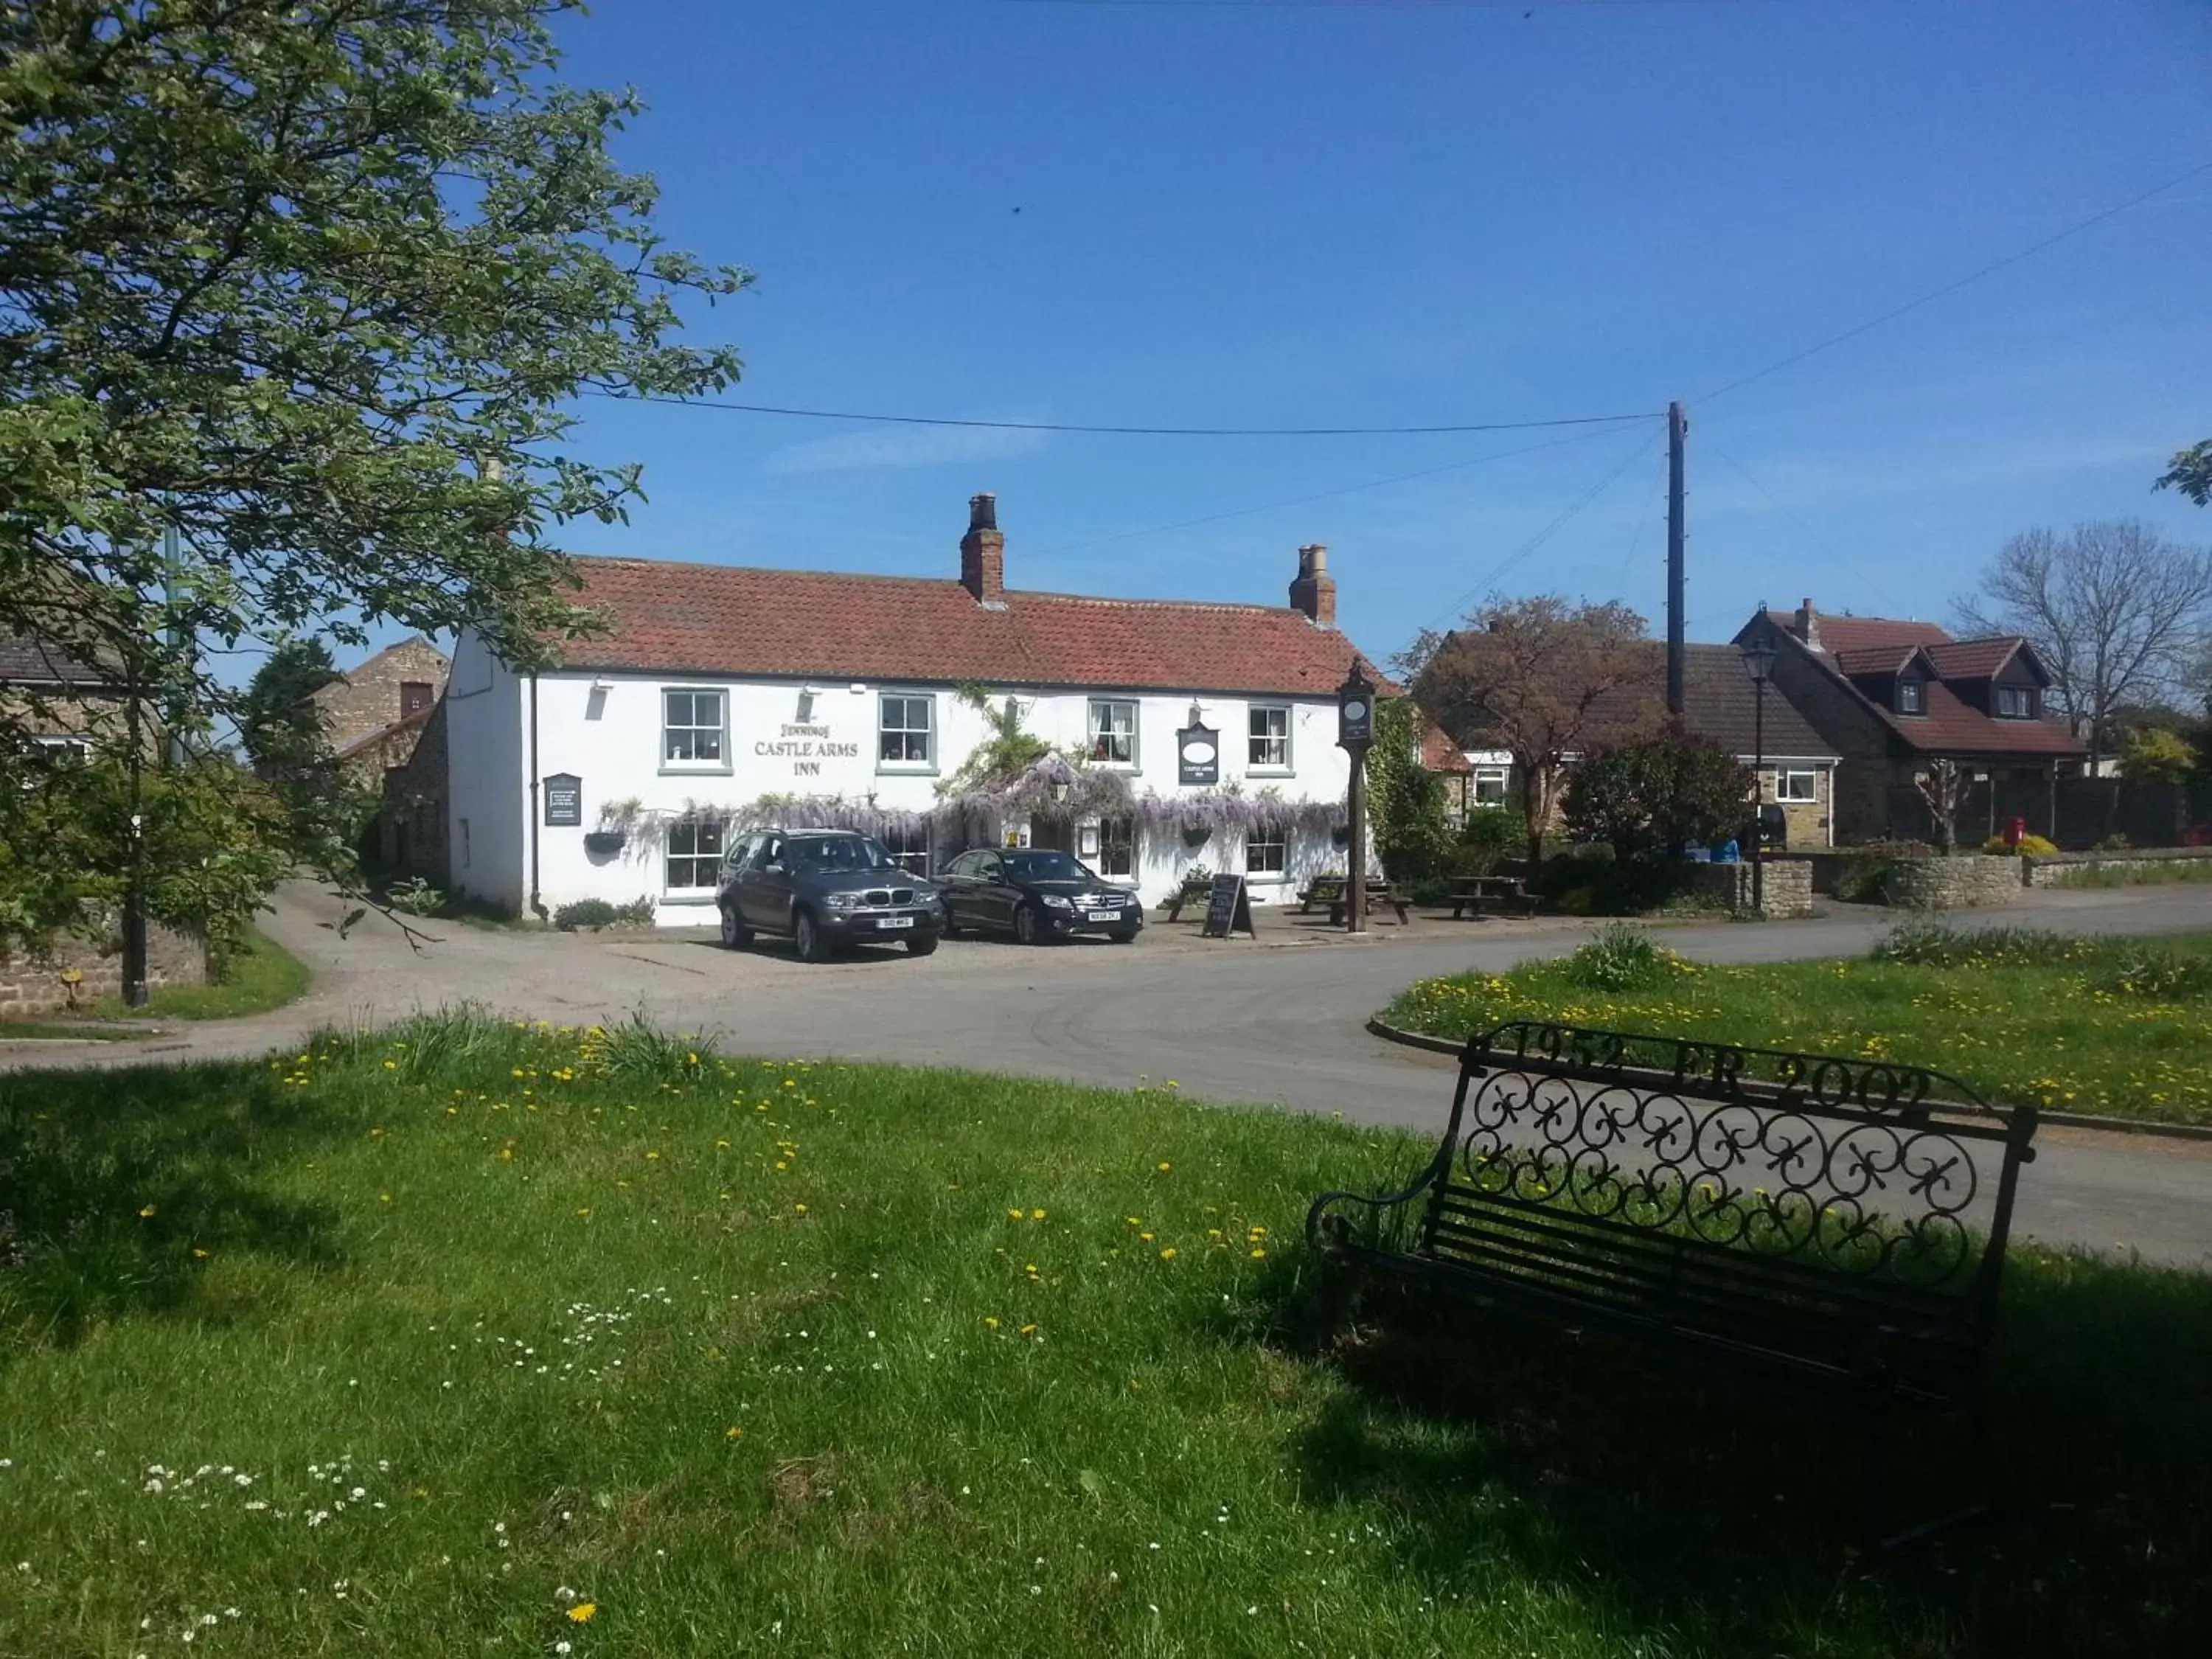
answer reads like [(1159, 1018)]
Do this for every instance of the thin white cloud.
[(908, 446)]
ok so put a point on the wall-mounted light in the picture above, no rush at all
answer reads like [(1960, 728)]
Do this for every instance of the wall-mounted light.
[(806, 706)]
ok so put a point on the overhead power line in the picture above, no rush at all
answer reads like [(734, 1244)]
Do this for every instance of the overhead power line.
[(1952, 286), (1134, 431)]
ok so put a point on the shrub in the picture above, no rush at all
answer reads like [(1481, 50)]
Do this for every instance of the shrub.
[(1623, 958), (1930, 943), (2028, 847), (2115, 842), (2158, 756), (583, 913), (1590, 880), (1490, 834), (1659, 796), (638, 913), (416, 896), (2159, 973)]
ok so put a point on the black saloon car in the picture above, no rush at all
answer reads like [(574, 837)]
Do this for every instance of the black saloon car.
[(826, 889), (1036, 895)]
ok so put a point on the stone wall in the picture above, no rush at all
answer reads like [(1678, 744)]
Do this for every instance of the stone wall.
[(368, 698), (2051, 872), (31, 985), (1949, 883), (1787, 883)]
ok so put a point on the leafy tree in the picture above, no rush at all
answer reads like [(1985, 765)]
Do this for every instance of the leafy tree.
[(2115, 610), (2155, 755), (1658, 795), (1544, 679), (212, 844), (2191, 473), (281, 728), (311, 285), (1405, 799)]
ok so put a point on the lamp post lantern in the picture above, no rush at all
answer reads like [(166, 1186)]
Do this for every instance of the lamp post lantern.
[(1355, 734), (1758, 662)]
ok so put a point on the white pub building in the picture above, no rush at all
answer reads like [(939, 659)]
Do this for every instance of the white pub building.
[(1154, 737)]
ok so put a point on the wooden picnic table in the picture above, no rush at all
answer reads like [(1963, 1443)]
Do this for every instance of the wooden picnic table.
[(1329, 890), (1469, 892)]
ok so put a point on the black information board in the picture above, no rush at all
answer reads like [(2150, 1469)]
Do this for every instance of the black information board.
[(564, 800), (1228, 908)]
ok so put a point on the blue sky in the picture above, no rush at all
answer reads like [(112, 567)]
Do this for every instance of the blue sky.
[(1368, 213)]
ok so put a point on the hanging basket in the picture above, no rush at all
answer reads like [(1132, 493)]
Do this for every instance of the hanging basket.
[(1340, 835), (604, 841), (1196, 834)]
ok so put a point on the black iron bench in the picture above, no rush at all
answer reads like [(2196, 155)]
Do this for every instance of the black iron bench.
[(1838, 1222)]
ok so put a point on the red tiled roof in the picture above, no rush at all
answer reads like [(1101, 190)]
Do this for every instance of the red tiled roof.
[(1953, 727), (1842, 633), (1973, 659), (1438, 753), (1873, 659), (680, 618)]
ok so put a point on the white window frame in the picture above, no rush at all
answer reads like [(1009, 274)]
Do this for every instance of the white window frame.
[(672, 763), (1500, 775), (929, 731), (1911, 697), (1786, 777), (1097, 723), (1127, 843), (1255, 739), (695, 858), (1279, 838), (2026, 711)]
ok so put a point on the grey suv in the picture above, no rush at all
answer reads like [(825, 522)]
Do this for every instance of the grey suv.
[(827, 889)]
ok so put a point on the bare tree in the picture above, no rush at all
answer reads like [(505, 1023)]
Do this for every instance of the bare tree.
[(2117, 612), (1543, 679), (1943, 785)]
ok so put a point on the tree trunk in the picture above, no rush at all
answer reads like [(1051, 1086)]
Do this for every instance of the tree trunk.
[(1534, 799)]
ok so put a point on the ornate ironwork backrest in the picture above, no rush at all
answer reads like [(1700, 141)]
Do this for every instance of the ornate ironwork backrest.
[(1866, 1166)]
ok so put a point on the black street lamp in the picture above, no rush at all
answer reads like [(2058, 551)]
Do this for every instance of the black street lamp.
[(1355, 734), (1758, 662)]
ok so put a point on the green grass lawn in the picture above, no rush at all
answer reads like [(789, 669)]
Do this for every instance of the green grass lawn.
[(467, 1339), (2119, 1026), (2156, 873), (260, 975)]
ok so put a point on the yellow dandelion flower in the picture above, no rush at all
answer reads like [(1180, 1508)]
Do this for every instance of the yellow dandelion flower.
[(146, 1214), (1013, 1215), (1164, 1166), (800, 1208), (1036, 1215), (733, 1432), (582, 1612), (1029, 1330), (1168, 1255), (1259, 1255), (990, 1322)]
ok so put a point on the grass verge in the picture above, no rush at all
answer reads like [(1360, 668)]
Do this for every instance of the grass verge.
[(2115, 1025), (467, 1338), (260, 975)]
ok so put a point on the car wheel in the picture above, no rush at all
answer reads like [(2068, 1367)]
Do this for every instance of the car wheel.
[(1025, 925), (735, 934), (1123, 936), (921, 947), (806, 935)]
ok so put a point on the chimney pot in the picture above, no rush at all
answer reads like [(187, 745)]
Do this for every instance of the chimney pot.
[(1314, 592), (983, 553)]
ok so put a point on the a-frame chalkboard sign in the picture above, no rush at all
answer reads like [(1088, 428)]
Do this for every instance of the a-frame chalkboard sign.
[(1228, 908)]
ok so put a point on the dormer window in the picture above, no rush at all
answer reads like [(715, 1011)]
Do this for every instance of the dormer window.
[(2016, 702), (1909, 697)]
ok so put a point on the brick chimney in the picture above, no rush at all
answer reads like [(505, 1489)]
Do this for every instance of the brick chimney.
[(983, 553), (1315, 591), (1806, 625)]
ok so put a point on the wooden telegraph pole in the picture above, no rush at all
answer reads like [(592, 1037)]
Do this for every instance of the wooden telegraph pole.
[(1678, 433)]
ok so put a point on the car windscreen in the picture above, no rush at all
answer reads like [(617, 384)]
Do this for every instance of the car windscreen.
[(837, 853), (1046, 866)]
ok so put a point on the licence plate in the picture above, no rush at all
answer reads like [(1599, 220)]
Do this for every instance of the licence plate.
[(895, 922), (1102, 915)]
